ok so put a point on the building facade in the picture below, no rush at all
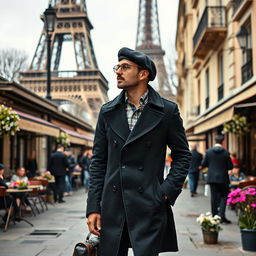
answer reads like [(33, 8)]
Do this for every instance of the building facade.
[(41, 122), (216, 45)]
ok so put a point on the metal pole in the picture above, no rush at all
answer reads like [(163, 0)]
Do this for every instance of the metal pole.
[(48, 95)]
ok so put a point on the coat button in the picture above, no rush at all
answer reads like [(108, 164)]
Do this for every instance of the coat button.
[(140, 190), (148, 143), (140, 168), (114, 188), (115, 143)]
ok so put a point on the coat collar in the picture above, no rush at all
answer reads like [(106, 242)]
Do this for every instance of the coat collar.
[(152, 114)]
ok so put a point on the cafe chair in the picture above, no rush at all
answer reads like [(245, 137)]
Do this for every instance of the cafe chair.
[(34, 196), (247, 183), (3, 195)]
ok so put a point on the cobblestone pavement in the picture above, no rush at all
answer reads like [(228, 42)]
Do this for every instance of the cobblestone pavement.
[(64, 225)]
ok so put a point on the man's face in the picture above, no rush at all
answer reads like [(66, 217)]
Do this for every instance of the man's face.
[(127, 74)]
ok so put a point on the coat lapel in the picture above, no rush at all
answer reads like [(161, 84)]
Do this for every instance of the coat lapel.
[(116, 118), (150, 117), (148, 120)]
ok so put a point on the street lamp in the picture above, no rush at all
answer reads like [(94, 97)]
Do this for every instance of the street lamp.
[(242, 38), (49, 22)]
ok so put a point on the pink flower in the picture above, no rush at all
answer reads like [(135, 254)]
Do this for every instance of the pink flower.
[(242, 198), (229, 201), (253, 205)]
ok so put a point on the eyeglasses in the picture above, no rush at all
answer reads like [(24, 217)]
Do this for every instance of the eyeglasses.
[(123, 67)]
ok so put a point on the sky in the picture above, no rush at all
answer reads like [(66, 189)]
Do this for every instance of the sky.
[(114, 21)]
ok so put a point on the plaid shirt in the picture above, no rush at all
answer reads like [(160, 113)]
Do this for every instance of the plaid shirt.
[(134, 113)]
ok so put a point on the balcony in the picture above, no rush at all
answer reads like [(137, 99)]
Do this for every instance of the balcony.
[(220, 92), (240, 7), (196, 63), (211, 30), (247, 72)]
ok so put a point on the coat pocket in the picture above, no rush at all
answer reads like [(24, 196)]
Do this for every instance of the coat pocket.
[(159, 194)]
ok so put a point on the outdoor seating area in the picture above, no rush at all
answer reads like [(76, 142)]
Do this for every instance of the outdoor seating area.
[(35, 200)]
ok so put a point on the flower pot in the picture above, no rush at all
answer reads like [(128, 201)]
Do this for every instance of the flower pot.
[(248, 238), (210, 237)]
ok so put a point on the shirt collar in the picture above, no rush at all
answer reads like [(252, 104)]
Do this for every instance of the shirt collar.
[(143, 98)]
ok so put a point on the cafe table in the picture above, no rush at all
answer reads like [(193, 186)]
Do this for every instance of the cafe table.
[(13, 192)]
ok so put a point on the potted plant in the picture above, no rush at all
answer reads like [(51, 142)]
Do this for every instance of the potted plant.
[(245, 201), (47, 175), (21, 184), (210, 226)]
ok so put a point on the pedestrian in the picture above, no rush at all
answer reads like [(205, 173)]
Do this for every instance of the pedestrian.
[(218, 161), (234, 159), (71, 166), (32, 169), (194, 170), (129, 201), (58, 166), (79, 161), (85, 162)]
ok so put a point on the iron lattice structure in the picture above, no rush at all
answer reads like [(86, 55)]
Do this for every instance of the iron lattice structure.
[(149, 41), (82, 90)]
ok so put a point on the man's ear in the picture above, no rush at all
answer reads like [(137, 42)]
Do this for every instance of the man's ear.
[(144, 74)]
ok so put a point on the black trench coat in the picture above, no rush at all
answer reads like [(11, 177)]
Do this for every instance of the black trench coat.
[(127, 175)]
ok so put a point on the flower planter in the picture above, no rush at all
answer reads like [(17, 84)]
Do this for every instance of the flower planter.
[(248, 238), (210, 237)]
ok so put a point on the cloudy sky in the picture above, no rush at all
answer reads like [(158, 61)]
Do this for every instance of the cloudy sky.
[(114, 21)]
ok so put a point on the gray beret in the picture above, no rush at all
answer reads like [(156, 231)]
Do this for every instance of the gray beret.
[(140, 59)]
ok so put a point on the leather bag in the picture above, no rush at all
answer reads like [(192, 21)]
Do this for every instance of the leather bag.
[(88, 248)]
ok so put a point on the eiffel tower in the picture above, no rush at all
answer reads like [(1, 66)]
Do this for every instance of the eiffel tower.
[(80, 91), (149, 41)]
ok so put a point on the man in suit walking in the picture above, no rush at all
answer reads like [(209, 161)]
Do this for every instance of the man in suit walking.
[(58, 166), (129, 201), (218, 161), (194, 170)]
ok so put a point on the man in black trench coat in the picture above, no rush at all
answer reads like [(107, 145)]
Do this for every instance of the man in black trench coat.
[(129, 201)]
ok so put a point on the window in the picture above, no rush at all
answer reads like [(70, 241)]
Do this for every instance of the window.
[(246, 68), (207, 88), (220, 76), (198, 96)]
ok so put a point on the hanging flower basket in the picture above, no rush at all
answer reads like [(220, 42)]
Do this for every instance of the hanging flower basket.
[(63, 139), (238, 125), (9, 120)]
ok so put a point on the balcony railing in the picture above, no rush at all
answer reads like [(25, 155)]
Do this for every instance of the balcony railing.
[(207, 102), (213, 17), (220, 92), (247, 72), (237, 4)]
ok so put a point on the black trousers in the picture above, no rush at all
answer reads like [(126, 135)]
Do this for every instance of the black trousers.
[(219, 193), (59, 186), (125, 242)]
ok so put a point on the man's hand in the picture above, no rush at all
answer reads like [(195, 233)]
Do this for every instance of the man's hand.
[(93, 222)]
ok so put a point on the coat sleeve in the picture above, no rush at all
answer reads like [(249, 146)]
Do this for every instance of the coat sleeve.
[(205, 161), (97, 168), (180, 155)]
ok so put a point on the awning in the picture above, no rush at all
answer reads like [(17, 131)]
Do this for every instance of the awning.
[(77, 138), (214, 121), (35, 124)]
